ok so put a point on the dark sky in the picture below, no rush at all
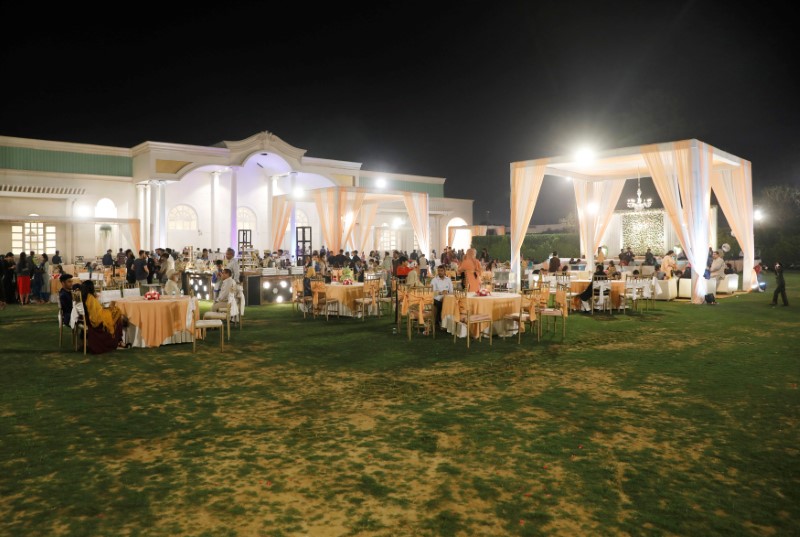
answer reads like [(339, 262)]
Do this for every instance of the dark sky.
[(448, 89)]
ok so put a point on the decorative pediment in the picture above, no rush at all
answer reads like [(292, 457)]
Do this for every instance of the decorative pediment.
[(262, 142)]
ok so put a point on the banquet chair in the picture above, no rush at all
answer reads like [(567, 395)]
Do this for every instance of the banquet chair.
[(372, 286), (402, 303), (61, 325), (321, 304), (601, 294), (203, 326), (224, 312), (649, 293), (527, 312), (131, 289), (566, 279), (648, 270), (80, 329), (420, 310), (386, 296), (238, 318), (632, 294), (466, 317), (559, 311), (299, 299)]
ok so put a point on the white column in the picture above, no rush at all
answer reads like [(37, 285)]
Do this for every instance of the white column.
[(141, 215), (146, 220), (162, 214), (212, 211), (268, 212), (153, 213), (293, 220), (234, 204)]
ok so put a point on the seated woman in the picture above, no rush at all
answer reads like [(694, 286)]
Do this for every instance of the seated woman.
[(612, 272), (598, 274), (172, 288), (104, 325)]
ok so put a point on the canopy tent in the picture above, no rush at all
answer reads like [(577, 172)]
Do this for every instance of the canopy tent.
[(346, 214), (684, 173)]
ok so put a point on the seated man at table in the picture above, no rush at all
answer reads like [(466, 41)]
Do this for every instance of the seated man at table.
[(225, 289), (441, 286), (172, 287), (65, 297)]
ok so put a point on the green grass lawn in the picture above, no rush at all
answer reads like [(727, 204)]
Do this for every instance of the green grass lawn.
[(679, 421)]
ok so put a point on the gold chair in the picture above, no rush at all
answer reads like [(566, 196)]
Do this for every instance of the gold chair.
[(80, 323), (420, 310), (559, 311), (299, 299), (466, 317), (372, 286), (223, 313), (321, 304), (528, 304), (387, 296)]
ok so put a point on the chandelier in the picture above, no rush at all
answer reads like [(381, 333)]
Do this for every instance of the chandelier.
[(639, 204)]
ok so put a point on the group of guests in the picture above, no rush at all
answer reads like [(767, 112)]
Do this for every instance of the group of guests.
[(104, 325), (25, 279)]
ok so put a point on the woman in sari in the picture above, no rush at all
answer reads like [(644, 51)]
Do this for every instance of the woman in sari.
[(104, 325), (471, 268)]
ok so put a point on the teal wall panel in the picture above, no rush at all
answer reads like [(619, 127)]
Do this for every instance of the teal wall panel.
[(40, 160)]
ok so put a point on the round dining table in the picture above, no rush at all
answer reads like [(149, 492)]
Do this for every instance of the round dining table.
[(152, 323), (496, 305)]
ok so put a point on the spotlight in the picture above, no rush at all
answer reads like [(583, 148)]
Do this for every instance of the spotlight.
[(279, 299), (283, 284)]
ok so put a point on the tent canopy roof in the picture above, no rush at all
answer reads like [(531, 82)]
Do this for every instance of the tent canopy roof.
[(621, 163)]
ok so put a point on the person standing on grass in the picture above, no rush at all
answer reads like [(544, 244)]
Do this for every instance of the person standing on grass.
[(780, 286)]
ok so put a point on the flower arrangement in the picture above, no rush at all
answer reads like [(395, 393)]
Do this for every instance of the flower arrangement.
[(483, 292), (347, 276), (152, 295)]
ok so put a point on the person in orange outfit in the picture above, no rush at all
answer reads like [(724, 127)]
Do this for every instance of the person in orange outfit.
[(471, 268)]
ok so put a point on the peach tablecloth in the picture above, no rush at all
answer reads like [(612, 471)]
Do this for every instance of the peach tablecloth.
[(346, 295), (496, 305), (579, 286), (158, 322)]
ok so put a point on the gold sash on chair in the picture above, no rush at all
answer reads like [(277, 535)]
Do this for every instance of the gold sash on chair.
[(317, 288), (419, 300)]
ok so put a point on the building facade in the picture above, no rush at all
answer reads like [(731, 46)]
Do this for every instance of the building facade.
[(84, 199)]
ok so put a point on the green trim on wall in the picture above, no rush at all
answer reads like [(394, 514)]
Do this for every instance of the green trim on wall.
[(40, 160), (434, 191)]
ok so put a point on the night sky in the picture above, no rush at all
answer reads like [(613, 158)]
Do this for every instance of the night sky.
[(447, 89)]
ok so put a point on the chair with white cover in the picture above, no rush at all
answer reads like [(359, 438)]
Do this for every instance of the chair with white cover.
[(601, 294), (237, 311), (559, 311), (300, 300), (130, 289), (466, 317), (79, 327), (634, 288), (224, 311), (647, 270), (204, 325)]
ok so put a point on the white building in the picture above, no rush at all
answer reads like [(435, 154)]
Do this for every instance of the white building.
[(83, 199)]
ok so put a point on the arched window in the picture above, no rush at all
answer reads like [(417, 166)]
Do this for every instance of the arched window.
[(246, 218), (105, 208), (182, 217), (300, 219)]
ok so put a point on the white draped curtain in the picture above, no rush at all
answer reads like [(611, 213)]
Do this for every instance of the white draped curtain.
[(417, 207), (281, 212), (362, 233), (734, 190), (526, 182), (681, 173), (350, 201), (596, 201), (327, 209)]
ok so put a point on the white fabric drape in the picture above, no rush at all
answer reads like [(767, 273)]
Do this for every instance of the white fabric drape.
[(363, 230), (734, 191), (681, 174), (350, 201), (281, 212), (479, 231), (526, 182), (417, 207), (327, 209), (596, 201)]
